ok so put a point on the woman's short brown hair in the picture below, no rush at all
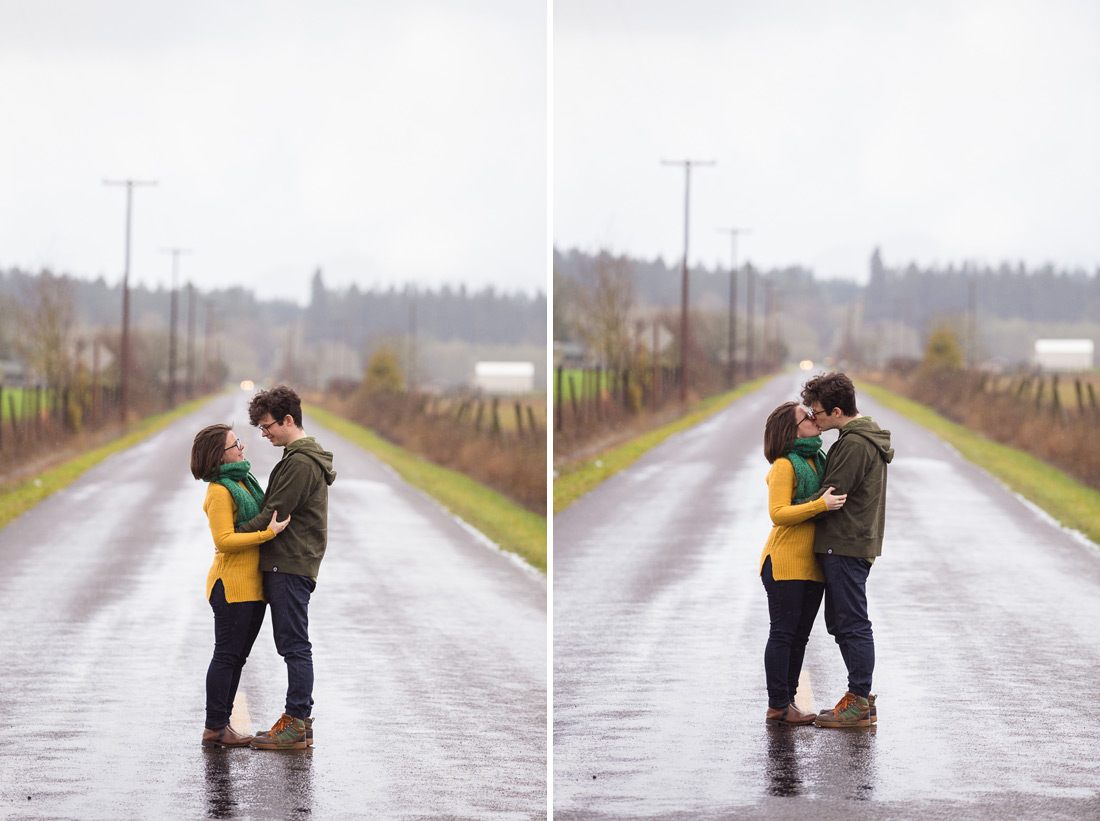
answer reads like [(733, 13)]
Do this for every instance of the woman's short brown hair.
[(780, 431), (208, 450)]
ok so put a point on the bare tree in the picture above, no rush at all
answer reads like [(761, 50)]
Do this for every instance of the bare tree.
[(605, 306), (45, 322)]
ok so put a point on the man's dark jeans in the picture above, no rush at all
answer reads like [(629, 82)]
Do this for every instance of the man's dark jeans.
[(235, 629), (792, 606), (288, 596), (846, 616)]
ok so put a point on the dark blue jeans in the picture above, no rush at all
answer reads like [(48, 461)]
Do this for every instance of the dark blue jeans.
[(846, 616), (792, 606), (235, 629), (288, 595)]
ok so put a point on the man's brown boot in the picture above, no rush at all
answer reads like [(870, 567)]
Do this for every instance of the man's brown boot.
[(850, 711), (289, 733), (224, 737), (309, 732), (790, 714)]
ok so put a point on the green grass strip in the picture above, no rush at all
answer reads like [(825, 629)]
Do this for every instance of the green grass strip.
[(19, 497), (576, 480), (1075, 505), (507, 524)]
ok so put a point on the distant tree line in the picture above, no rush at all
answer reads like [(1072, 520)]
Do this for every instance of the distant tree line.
[(997, 311), (342, 315), (231, 332)]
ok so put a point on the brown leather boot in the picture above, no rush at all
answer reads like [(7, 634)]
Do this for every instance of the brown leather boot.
[(850, 711), (224, 737), (790, 714)]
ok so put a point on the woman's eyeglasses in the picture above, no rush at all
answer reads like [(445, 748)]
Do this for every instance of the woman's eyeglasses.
[(239, 445)]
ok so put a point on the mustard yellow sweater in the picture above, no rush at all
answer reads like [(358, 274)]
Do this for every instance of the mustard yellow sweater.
[(791, 542), (237, 556)]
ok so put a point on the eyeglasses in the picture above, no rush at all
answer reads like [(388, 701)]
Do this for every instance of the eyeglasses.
[(811, 413), (269, 424), (239, 445), (804, 418)]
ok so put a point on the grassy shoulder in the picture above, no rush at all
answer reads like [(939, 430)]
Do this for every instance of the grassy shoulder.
[(19, 497), (1074, 505), (576, 480), (508, 525)]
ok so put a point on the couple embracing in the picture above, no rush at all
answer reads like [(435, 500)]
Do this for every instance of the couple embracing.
[(828, 515), (261, 561)]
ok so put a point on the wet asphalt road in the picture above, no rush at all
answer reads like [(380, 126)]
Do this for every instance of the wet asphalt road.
[(429, 649), (985, 615)]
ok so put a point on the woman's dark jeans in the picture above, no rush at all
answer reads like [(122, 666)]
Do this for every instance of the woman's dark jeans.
[(235, 629), (793, 607)]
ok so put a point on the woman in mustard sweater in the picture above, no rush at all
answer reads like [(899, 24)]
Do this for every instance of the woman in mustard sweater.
[(234, 585), (791, 576)]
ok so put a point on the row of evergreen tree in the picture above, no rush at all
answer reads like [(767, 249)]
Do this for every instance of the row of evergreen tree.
[(909, 294), (352, 316)]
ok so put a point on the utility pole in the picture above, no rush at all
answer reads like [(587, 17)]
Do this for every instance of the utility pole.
[(750, 308), (971, 320), (190, 340), (124, 385), (412, 342), (175, 252), (687, 164), (733, 232)]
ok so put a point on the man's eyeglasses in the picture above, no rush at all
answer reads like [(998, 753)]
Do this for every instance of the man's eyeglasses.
[(811, 413), (239, 445), (269, 424)]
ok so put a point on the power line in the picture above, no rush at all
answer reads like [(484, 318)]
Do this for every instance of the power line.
[(733, 232), (175, 252), (687, 164), (124, 385)]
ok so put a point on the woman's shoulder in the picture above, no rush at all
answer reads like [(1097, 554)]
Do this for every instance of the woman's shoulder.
[(781, 467), (216, 490)]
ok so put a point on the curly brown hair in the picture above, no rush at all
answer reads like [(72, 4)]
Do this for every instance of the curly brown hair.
[(280, 402), (207, 452), (831, 390)]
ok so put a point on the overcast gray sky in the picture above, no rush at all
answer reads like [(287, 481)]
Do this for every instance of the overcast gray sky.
[(388, 141), (941, 131)]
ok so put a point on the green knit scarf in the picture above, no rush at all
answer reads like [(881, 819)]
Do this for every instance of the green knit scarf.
[(809, 482), (248, 503)]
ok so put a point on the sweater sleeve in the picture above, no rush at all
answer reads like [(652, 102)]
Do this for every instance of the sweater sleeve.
[(781, 482), (221, 512)]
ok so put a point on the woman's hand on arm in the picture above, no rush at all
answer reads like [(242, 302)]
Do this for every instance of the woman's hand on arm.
[(834, 501), (275, 524)]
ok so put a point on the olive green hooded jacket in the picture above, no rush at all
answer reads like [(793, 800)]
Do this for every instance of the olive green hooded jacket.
[(855, 465), (298, 486)]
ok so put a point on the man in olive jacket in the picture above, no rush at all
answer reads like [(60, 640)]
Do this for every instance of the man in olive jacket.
[(298, 487), (847, 541)]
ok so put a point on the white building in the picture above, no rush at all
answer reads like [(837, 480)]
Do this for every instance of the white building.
[(504, 377), (1061, 355)]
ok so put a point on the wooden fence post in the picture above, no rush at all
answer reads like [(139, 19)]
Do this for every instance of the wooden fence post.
[(519, 421), (531, 423)]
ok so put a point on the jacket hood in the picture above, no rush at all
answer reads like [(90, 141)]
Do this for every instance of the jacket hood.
[(866, 428), (308, 446)]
